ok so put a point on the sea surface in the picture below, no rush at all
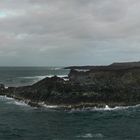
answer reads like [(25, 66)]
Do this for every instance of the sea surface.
[(19, 121)]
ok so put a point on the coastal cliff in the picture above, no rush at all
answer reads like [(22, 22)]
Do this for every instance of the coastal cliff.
[(94, 87)]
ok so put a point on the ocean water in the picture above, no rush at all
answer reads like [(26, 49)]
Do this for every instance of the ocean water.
[(20, 76), (19, 121)]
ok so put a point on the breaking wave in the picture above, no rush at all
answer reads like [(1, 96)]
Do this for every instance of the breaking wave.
[(48, 106), (38, 78), (106, 108), (20, 103), (4, 98), (9, 100)]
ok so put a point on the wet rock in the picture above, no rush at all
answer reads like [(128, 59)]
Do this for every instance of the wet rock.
[(83, 89)]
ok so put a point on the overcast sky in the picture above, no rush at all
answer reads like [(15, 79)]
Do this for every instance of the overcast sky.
[(69, 32)]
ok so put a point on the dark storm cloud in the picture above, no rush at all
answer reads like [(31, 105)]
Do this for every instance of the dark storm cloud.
[(66, 32)]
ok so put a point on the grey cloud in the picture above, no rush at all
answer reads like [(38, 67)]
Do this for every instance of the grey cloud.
[(63, 32)]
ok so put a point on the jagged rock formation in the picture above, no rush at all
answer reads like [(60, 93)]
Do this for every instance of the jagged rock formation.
[(95, 87)]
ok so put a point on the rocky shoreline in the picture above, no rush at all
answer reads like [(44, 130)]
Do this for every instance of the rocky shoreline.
[(91, 88)]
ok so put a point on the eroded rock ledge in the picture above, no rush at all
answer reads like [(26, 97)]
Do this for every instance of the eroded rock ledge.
[(95, 87)]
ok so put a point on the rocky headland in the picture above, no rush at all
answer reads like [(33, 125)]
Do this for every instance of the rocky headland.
[(115, 85)]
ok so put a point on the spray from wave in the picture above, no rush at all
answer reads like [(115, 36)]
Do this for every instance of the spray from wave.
[(106, 108), (9, 100)]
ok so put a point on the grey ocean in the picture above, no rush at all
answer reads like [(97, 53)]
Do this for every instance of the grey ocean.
[(19, 121)]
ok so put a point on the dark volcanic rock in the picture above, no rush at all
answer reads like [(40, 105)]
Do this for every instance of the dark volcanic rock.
[(2, 87), (95, 87), (126, 64), (113, 66)]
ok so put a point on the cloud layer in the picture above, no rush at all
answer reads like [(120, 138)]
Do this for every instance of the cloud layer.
[(69, 32)]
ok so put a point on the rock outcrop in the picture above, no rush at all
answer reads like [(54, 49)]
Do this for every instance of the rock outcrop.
[(113, 66), (95, 87)]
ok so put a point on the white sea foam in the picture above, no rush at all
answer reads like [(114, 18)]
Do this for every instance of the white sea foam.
[(3, 98), (61, 76), (10, 100), (89, 135), (106, 108), (20, 103), (48, 106), (57, 68), (37, 78), (6, 87)]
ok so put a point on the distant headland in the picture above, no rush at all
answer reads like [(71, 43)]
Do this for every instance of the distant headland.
[(117, 84), (111, 66)]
